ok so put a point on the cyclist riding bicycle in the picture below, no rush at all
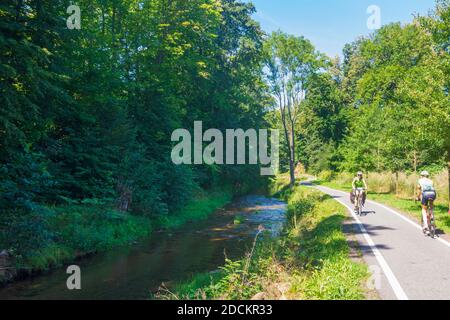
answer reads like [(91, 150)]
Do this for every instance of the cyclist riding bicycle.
[(425, 192), (359, 187)]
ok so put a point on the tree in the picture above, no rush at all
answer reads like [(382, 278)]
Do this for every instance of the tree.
[(438, 24), (86, 115), (397, 85), (290, 62), (323, 120)]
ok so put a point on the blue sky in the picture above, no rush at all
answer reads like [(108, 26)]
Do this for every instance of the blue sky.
[(330, 24)]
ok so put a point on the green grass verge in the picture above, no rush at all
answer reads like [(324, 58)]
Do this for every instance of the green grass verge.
[(310, 260), (406, 206)]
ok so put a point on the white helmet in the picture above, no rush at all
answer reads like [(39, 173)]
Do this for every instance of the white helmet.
[(425, 174)]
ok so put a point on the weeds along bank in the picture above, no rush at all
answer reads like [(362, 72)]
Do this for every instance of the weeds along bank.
[(82, 229), (310, 260), (397, 191)]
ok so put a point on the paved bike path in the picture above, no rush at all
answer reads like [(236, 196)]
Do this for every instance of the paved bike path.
[(409, 265)]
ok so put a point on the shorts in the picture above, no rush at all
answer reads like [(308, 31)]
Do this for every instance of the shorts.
[(428, 195)]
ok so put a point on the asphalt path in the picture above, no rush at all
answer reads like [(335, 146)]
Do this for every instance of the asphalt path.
[(404, 263)]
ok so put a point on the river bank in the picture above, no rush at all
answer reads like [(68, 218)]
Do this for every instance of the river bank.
[(311, 259), (168, 256), (85, 230)]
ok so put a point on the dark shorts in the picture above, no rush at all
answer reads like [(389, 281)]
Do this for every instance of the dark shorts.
[(428, 195)]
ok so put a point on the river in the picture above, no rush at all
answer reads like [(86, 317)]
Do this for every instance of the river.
[(135, 272)]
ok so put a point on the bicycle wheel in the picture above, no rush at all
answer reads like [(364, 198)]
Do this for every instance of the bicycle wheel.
[(431, 220)]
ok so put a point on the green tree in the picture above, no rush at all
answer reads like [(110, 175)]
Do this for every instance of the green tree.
[(290, 62)]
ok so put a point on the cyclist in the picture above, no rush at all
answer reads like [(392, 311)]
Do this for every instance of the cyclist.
[(359, 186), (425, 192)]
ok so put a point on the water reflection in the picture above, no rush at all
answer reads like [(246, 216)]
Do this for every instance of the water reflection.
[(135, 272)]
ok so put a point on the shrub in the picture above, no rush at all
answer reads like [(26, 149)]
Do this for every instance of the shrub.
[(326, 175)]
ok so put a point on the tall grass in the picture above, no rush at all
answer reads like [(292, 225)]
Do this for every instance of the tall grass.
[(397, 191), (403, 185)]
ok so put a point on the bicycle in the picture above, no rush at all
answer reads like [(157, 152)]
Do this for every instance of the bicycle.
[(358, 201), (430, 219)]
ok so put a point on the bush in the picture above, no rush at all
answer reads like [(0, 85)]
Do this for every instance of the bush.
[(279, 186), (326, 175), (22, 232)]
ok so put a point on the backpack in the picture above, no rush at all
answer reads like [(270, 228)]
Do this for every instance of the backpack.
[(352, 197)]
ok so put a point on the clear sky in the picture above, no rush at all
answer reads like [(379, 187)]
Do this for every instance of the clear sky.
[(330, 24)]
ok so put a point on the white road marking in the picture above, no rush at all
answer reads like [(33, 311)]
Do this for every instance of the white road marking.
[(396, 287), (401, 216), (407, 220)]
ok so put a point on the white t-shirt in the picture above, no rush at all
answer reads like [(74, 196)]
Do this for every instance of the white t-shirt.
[(426, 184)]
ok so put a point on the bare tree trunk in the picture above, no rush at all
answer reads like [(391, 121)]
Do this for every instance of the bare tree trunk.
[(289, 135), (448, 172), (396, 183), (125, 196), (378, 156), (292, 157)]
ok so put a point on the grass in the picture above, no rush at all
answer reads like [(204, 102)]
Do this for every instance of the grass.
[(81, 230), (403, 202), (413, 209), (197, 209), (86, 229), (402, 185), (310, 260)]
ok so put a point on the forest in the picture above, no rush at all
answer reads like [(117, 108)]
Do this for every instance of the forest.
[(383, 107), (86, 115)]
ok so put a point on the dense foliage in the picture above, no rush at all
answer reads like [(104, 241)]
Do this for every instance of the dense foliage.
[(385, 106), (87, 114)]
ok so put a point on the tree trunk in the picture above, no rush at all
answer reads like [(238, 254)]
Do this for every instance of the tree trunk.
[(292, 156), (448, 172), (292, 172), (289, 140), (396, 184), (378, 156)]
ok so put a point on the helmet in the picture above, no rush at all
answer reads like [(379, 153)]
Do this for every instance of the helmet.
[(359, 173), (424, 174)]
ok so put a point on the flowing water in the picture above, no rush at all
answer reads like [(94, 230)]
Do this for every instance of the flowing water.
[(167, 257)]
